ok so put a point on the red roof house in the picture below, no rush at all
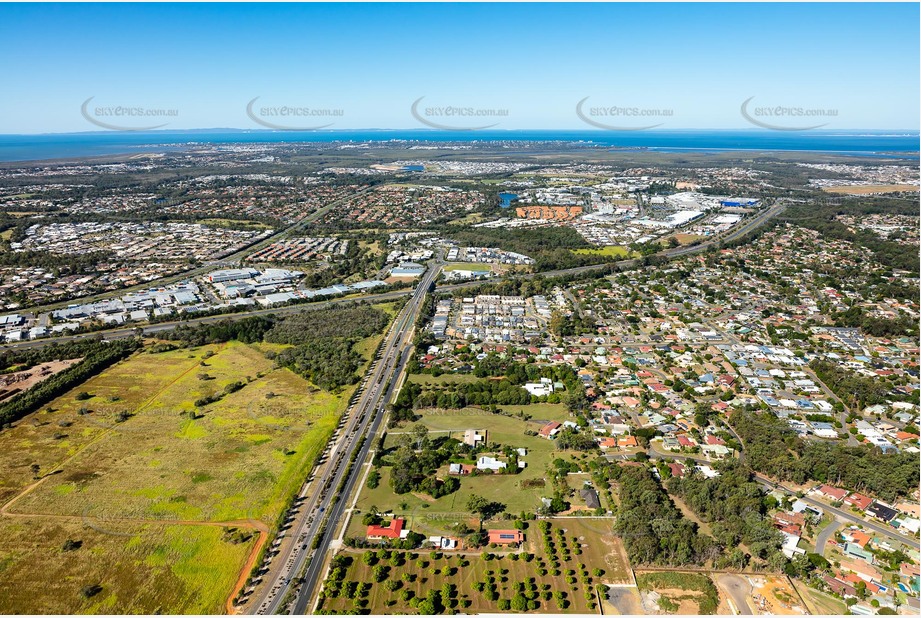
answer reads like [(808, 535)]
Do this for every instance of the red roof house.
[(858, 501), (390, 531), (832, 493)]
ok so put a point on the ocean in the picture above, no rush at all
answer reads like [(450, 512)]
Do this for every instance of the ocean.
[(904, 144)]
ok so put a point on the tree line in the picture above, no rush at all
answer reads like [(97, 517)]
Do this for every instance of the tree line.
[(322, 340), (772, 448)]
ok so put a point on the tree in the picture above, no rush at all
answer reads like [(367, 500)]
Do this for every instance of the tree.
[(420, 436), (519, 603), (374, 479), (486, 509)]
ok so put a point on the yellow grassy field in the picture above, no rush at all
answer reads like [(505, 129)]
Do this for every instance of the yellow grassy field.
[(607, 250), (140, 475), (142, 569)]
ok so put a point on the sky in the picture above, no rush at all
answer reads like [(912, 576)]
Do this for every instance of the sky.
[(681, 66)]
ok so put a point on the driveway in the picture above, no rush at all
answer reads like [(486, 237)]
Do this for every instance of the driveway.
[(738, 589), (826, 533)]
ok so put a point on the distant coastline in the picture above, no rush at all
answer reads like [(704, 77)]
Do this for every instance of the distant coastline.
[(44, 147)]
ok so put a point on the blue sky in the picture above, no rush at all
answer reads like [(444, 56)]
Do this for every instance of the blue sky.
[(537, 61)]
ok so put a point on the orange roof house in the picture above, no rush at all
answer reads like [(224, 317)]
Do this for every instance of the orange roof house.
[(861, 538), (506, 537), (550, 429), (390, 531), (607, 442), (832, 493)]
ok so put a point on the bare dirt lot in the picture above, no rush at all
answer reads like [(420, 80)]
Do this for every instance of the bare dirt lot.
[(12, 383)]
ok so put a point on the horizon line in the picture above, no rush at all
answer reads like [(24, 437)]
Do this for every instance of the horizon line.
[(457, 130)]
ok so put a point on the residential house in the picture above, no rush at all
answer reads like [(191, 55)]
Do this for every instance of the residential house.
[(506, 537), (834, 494), (550, 430), (881, 512), (393, 530), (486, 462), (858, 501)]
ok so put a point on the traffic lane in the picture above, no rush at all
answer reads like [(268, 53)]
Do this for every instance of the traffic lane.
[(393, 364), (311, 577), (297, 550)]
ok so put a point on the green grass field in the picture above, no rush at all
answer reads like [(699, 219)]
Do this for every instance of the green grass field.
[(819, 602), (474, 266), (140, 475), (608, 250), (241, 458)]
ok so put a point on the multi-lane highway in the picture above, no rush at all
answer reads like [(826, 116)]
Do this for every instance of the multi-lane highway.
[(302, 557), (298, 564)]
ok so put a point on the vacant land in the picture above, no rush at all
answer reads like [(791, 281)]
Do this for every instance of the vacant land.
[(776, 596), (17, 381), (475, 266), (150, 464), (235, 223), (674, 592), (686, 239), (138, 568), (472, 218), (608, 250), (564, 581), (820, 602), (239, 457)]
